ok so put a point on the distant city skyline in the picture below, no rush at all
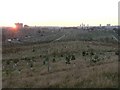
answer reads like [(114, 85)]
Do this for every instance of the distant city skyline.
[(59, 12)]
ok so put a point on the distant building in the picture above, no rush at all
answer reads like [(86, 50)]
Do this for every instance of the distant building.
[(19, 25), (26, 26), (108, 26)]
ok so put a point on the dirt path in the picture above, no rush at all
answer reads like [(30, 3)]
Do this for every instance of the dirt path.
[(59, 38)]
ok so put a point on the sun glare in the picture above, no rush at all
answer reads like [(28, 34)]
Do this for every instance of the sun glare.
[(14, 26)]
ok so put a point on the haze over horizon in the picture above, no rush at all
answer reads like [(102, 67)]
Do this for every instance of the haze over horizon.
[(58, 12)]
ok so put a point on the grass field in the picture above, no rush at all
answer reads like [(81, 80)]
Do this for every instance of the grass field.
[(43, 65)]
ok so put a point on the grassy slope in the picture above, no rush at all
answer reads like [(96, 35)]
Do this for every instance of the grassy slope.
[(80, 73)]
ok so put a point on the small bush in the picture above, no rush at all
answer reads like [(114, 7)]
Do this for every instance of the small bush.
[(33, 50), (15, 61), (7, 62), (87, 53), (91, 53), (61, 55), (33, 57), (53, 60), (83, 53), (31, 65), (67, 60), (72, 57), (44, 62), (95, 59), (40, 55), (116, 53)]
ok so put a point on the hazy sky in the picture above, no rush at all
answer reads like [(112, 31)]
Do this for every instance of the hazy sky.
[(58, 12)]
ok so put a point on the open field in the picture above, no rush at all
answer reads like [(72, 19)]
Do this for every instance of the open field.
[(43, 61)]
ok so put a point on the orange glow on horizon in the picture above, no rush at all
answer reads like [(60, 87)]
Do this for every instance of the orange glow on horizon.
[(14, 28)]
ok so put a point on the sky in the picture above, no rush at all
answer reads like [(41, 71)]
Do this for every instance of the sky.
[(58, 12)]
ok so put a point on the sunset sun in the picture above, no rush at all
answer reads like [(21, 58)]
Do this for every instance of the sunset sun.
[(14, 26)]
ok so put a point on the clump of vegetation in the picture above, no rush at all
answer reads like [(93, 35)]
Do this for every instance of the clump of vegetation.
[(46, 60), (72, 57), (117, 53), (8, 62), (16, 60), (54, 60), (67, 59), (33, 50), (31, 65), (39, 31), (40, 55), (84, 53), (61, 55), (26, 58), (95, 59), (92, 53)]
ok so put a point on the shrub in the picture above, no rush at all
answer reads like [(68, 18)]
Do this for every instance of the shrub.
[(116, 53), (67, 60), (83, 53), (54, 60), (15, 61), (26, 58), (95, 59), (33, 50), (7, 62), (72, 57), (39, 31), (61, 55), (44, 62), (40, 55), (91, 53), (87, 53), (33, 57), (31, 65)]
